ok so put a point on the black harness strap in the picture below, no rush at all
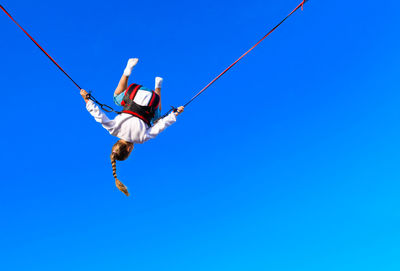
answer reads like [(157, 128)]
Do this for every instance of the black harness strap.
[(102, 106), (143, 112)]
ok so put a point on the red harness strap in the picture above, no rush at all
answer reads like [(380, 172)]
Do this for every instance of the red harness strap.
[(135, 90), (135, 87), (153, 97), (137, 115)]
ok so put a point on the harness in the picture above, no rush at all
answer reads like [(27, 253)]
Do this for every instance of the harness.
[(143, 112)]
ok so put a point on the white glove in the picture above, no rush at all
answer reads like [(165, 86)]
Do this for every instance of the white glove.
[(131, 63), (159, 81)]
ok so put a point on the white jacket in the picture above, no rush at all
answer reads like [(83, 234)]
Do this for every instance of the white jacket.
[(129, 127)]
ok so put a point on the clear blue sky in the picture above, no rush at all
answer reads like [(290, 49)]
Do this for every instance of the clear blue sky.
[(290, 162)]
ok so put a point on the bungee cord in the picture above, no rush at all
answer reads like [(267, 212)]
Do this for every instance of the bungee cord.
[(89, 96), (109, 108), (301, 5), (40, 47)]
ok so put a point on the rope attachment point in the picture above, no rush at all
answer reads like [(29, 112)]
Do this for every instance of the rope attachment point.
[(105, 107)]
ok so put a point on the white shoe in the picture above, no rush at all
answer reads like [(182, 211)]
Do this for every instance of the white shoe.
[(129, 66), (159, 81)]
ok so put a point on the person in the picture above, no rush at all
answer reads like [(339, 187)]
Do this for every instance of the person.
[(141, 107)]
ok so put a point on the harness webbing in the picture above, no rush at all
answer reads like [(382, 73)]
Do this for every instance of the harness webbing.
[(254, 46)]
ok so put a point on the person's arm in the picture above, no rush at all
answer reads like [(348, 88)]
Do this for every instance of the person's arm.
[(123, 82), (162, 124), (98, 115)]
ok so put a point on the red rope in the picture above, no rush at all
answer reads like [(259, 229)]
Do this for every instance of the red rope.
[(301, 5), (254, 46), (40, 47)]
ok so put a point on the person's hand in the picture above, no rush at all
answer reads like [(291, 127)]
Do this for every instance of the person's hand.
[(179, 110), (84, 95)]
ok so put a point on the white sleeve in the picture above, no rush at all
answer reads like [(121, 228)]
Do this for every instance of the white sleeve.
[(160, 126), (99, 115)]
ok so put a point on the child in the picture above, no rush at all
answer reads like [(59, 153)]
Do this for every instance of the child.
[(141, 107)]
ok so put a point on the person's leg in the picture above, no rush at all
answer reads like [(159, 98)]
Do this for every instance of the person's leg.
[(123, 82), (159, 81), (122, 85)]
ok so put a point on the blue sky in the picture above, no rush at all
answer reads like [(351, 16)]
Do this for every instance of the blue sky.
[(288, 162)]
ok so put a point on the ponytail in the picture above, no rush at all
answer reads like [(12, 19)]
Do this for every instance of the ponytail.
[(119, 152)]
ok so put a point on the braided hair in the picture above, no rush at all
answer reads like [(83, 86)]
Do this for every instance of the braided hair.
[(120, 151)]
